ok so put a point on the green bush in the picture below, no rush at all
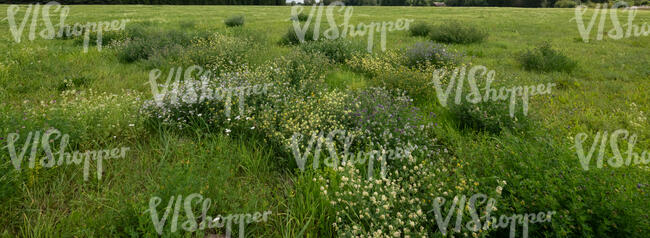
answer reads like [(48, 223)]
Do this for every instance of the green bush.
[(546, 59), (234, 21), (491, 116), (300, 17), (107, 38), (219, 52), (458, 33), (338, 50), (621, 4), (291, 37), (550, 178), (429, 53), (420, 29), (644, 3), (157, 48), (143, 42), (414, 83), (565, 4), (301, 71), (133, 50)]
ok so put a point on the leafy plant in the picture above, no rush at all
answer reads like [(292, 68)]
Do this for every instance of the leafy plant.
[(234, 21), (458, 33), (300, 17), (429, 53), (144, 42), (338, 50), (565, 4), (546, 59), (420, 29), (491, 116), (292, 37)]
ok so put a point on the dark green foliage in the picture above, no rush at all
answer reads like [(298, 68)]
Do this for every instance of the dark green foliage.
[(234, 21), (107, 38), (292, 36), (158, 2), (420, 29), (300, 17), (565, 4), (458, 33), (546, 59), (492, 117)]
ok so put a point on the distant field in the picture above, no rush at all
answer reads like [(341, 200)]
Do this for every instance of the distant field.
[(97, 97)]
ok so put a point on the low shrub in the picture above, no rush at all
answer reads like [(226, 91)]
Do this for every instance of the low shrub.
[(389, 117), (300, 17), (338, 50), (429, 53), (144, 42), (546, 59), (622, 4), (234, 21), (458, 33), (303, 72), (219, 52), (202, 102), (157, 48), (132, 50), (491, 116), (565, 4), (420, 29), (292, 37), (414, 83)]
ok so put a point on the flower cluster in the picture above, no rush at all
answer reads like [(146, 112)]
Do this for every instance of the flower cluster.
[(389, 119), (383, 207), (211, 101)]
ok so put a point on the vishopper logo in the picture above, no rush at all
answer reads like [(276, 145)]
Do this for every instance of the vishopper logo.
[(204, 221), (382, 155), (180, 87), (617, 159), (618, 31), (33, 11), (49, 160), (486, 222), (333, 32), (457, 77)]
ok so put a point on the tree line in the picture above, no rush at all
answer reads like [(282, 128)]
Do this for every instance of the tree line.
[(484, 3), (156, 2)]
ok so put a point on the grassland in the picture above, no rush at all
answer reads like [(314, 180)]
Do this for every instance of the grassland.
[(245, 172)]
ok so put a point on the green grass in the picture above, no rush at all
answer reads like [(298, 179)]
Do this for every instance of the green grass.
[(245, 173), (346, 80)]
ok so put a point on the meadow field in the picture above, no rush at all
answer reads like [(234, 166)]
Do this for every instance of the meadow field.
[(167, 157)]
